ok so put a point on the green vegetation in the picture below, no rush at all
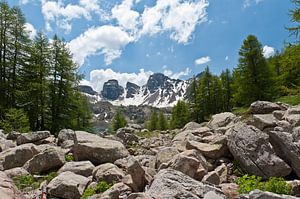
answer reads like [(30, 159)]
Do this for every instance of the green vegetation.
[(119, 121), (147, 134), (100, 188), (26, 181), (180, 115), (291, 100), (15, 119), (69, 157), (157, 122), (248, 183), (38, 78)]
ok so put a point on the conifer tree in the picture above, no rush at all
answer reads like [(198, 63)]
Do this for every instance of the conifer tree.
[(153, 123), (119, 121), (162, 122), (180, 115)]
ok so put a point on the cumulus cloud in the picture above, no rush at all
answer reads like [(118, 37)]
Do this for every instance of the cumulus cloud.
[(31, 30), (106, 40), (226, 58), (268, 51), (248, 3), (202, 60), (62, 15), (98, 77)]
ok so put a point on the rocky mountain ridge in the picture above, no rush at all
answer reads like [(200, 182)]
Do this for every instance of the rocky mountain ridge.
[(159, 91), (195, 162)]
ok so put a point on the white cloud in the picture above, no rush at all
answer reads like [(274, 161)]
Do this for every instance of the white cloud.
[(98, 77), (202, 60), (62, 15), (31, 30), (226, 58), (178, 17), (106, 40), (177, 75), (268, 51), (248, 3)]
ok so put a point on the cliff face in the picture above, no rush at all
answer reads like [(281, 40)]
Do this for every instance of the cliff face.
[(112, 90)]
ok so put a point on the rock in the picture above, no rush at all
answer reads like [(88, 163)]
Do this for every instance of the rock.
[(212, 178), (65, 135), (17, 156), (257, 194), (293, 119), (191, 126), (96, 149), (126, 135), (169, 184), (213, 151), (67, 185), (13, 135), (135, 126), (32, 137), (6, 144), (197, 154), (49, 159), (108, 194), (108, 172), (185, 164), (112, 90), (278, 114), (165, 155), (264, 107), (7, 188), (295, 187), (137, 181), (231, 190), (84, 168), (139, 196), (222, 172), (285, 126), (221, 120), (16, 172), (251, 148), (263, 121), (286, 149)]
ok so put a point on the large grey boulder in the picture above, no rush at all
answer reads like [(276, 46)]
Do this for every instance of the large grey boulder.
[(192, 126), (6, 144), (127, 135), (96, 149), (17, 156), (213, 151), (293, 116), (263, 121), (286, 148), (257, 194), (221, 120), (108, 172), (16, 172), (13, 135), (84, 168), (65, 135), (49, 159), (251, 148), (164, 155), (32, 137), (170, 184), (67, 185), (264, 107), (7, 188)]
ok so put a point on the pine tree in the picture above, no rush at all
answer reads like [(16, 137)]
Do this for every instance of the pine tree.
[(153, 123), (180, 115), (162, 122), (226, 93), (119, 121), (253, 78)]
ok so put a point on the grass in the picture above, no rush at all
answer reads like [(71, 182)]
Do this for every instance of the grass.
[(100, 188), (149, 134), (291, 100), (69, 157), (26, 181)]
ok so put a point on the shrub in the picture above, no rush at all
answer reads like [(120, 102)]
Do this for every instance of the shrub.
[(69, 157), (100, 188), (15, 119), (248, 183), (26, 181)]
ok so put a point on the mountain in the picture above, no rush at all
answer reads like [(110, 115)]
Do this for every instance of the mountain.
[(159, 91)]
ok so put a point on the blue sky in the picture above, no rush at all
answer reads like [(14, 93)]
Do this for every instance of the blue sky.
[(130, 39)]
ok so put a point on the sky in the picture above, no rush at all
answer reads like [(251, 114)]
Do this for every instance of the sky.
[(129, 40)]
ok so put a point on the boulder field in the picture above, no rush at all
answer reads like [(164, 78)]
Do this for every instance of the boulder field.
[(195, 162)]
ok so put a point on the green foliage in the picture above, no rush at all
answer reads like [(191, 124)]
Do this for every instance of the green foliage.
[(157, 122), (15, 119), (162, 122), (248, 183), (295, 17), (147, 134), (119, 121), (26, 181), (291, 100), (69, 157), (153, 123), (100, 188), (180, 115)]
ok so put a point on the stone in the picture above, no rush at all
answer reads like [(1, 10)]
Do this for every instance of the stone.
[(251, 148), (137, 173), (222, 172), (264, 107), (16, 172), (139, 196), (49, 159), (295, 184), (17, 156), (65, 135), (170, 184), (191, 126), (221, 120), (286, 149), (13, 135), (6, 144), (32, 137), (213, 151), (108, 172), (263, 121), (197, 154), (67, 185), (96, 149), (278, 114), (84, 168), (212, 178), (164, 155), (231, 190), (112, 90), (8, 190), (126, 135), (108, 194), (257, 194)]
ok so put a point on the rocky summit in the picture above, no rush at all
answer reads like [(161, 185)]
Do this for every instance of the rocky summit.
[(199, 161)]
